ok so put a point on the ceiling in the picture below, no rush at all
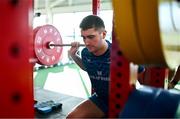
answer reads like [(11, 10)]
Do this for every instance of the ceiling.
[(62, 6)]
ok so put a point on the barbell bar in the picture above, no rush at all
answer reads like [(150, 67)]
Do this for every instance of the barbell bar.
[(51, 45)]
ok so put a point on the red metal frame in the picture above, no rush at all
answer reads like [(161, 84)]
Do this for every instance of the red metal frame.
[(156, 77), (16, 78), (96, 7), (119, 80)]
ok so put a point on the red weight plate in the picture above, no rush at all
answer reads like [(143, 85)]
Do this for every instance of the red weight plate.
[(33, 59), (44, 35)]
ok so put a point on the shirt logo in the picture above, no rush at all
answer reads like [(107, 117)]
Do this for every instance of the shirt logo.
[(99, 72)]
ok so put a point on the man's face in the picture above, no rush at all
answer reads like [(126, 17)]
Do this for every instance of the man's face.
[(93, 39)]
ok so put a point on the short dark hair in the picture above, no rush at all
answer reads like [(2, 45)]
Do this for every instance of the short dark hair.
[(92, 21)]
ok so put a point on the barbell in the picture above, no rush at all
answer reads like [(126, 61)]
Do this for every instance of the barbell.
[(48, 45), (52, 45)]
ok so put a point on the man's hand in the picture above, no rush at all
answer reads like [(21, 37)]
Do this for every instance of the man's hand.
[(74, 48), (72, 52)]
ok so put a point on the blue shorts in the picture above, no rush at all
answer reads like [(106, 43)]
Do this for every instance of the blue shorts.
[(101, 103)]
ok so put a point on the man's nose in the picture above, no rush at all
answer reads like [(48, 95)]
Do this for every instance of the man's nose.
[(86, 41)]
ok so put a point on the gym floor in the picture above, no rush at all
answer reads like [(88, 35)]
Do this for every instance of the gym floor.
[(67, 79)]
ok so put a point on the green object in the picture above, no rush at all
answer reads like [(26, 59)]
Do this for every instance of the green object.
[(42, 74)]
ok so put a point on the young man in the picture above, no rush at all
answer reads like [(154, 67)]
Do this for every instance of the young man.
[(95, 60)]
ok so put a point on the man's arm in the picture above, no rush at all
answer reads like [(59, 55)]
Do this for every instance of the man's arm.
[(78, 61), (73, 53)]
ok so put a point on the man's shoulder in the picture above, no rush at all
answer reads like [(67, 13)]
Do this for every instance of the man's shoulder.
[(84, 51), (109, 43)]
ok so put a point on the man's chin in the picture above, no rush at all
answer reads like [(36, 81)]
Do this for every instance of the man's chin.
[(90, 50)]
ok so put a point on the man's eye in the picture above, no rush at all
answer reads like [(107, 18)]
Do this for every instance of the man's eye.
[(83, 37), (91, 37)]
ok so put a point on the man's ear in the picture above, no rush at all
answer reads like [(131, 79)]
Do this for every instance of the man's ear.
[(104, 34)]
